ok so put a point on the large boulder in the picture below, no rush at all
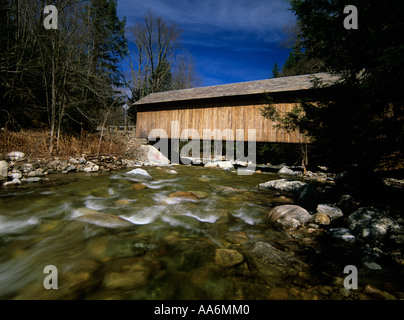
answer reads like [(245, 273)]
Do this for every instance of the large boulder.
[(288, 216), (282, 185), (372, 225), (151, 155)]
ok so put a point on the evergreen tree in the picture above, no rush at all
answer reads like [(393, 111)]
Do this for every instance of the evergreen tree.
[(364, 122)]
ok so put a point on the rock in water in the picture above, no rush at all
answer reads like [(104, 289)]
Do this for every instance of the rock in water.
[(272, 264), (286, 170), (288, 216), (105, 220), (282, 185), (185, 194), (228, 257), (139, 174), (332, 211)]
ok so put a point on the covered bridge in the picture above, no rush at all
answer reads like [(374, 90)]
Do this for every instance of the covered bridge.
[(223, 110)]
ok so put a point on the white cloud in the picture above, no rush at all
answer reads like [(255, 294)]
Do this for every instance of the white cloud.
[(256, 16)]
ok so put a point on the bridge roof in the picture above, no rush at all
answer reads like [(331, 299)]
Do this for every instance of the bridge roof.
[(292, 83)]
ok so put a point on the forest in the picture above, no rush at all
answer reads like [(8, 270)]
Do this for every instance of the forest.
[(67, 78)]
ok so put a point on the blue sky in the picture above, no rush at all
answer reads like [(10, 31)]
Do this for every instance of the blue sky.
[(230, 40)]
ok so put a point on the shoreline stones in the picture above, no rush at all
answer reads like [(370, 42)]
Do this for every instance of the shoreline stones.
[(372, 225), (20, 170)]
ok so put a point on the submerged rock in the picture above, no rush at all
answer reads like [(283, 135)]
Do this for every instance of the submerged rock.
[(228, 258), (271, 263), (185, 194), (288, 216), (135, 277)]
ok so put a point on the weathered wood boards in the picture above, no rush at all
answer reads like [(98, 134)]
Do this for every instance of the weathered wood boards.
[(223, 123), (225, 112)]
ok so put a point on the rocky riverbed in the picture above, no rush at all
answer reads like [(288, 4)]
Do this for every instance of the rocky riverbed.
[(135, 230)]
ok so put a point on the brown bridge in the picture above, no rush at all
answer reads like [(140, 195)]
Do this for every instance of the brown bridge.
[(224, 112)]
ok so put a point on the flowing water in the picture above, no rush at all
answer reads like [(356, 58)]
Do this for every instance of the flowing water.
[(180, 220)]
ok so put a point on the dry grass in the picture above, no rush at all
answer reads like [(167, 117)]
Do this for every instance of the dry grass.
[(35, 144)]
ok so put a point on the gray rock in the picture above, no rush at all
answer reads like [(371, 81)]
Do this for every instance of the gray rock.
[(16, 155), (332, 211), (36, 173), (31, 179), (372, 225), (90, 167), (343, 234), (282, 185), (74, 161), (3, 170), (139, 174), (225, 165), (288, 216), (13, 182), (15, 175), (71, 168), (27, 167), (286, 170)]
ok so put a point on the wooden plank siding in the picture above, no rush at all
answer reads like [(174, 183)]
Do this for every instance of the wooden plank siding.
[(214, 117), (229, 108)]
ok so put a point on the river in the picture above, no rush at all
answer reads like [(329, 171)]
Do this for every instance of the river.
[(188, 238)]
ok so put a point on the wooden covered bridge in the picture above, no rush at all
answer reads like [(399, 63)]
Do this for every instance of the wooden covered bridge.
[(224, 110)]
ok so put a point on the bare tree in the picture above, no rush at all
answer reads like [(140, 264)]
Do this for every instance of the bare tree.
[(156, 64), (184, 74)]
